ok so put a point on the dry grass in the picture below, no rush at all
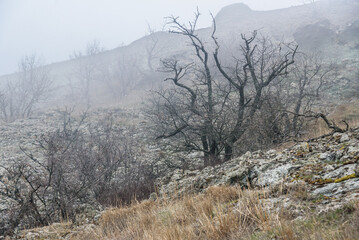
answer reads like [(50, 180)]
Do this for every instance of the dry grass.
[(221, 213), (341, 224)]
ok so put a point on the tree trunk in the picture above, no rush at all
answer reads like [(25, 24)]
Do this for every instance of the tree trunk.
[(228, 152), (214, 153), (205, 148), (296, 116)]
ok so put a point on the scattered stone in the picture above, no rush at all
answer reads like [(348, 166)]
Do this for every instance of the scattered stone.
[(326, 171), (326, 167), (327, 156), (344, 138), (353, 150)]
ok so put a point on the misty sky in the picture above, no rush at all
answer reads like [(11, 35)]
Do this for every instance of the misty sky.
[(53, 29)]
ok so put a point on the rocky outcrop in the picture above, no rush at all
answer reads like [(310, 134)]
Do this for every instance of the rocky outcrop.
[(328, 167)]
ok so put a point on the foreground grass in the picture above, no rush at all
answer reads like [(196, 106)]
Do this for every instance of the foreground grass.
[(220, 213)]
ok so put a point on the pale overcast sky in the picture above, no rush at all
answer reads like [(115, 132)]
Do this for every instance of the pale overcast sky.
[(53, 29)]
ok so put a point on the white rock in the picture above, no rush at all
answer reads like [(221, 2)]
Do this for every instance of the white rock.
[(271, 152), (340, 172), (273, 176), (353, 150), (327, 156), (247, 154), (344, 138)]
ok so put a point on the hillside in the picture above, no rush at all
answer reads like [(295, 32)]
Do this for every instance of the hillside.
[(308, 191), (246, 132), (285, 22), (328, 26)]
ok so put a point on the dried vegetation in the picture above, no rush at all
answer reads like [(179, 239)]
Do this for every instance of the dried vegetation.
[(219, 213)]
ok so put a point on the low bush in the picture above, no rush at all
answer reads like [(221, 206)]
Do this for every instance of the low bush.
[(79, 164)]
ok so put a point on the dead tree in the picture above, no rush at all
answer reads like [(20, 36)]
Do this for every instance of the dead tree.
[(210, 108), (303, 90), (311, 78), (21, 95), (85, 72), (200, 123), (121, 76), (153, 48), (261, 63), (329, 123)]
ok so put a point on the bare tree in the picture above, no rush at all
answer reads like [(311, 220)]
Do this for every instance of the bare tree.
[(152, 48), (79, 163), (312, 5), (303, 90), (85, 72), (120, 76), (149, 75), (21, 95), (262, 63), (209, 109), (312, 78), (92, 48)]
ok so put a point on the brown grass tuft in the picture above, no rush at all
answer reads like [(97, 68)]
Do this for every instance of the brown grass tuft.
[(219, 213), (222, 213)]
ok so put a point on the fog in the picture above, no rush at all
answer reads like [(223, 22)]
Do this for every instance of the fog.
[(53, 29), (144, 107)]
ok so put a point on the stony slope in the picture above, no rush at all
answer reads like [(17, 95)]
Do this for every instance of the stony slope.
[(328, 168), (298, 187)]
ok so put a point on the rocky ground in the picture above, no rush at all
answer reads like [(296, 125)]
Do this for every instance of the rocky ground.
[(327, 170), (21, 137), (320, 175), (24, 133), (314, 177)]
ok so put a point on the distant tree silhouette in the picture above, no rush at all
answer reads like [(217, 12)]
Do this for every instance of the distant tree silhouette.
[(20, 96)]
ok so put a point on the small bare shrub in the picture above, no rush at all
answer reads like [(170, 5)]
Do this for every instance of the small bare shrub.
[(21, 96), (81, 164)]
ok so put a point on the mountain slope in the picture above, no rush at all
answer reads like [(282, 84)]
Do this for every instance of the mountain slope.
[(133, 67)]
